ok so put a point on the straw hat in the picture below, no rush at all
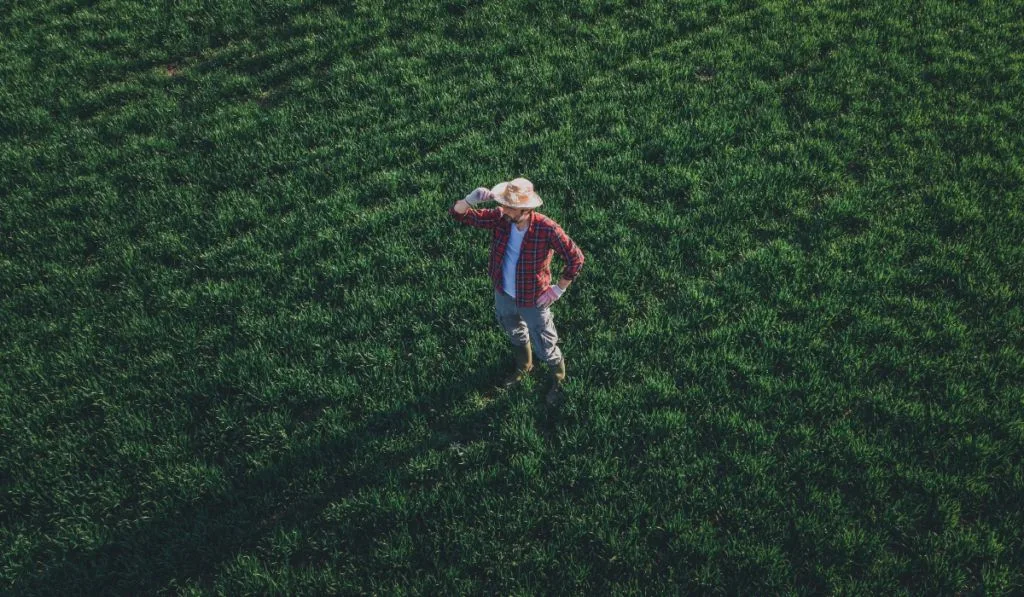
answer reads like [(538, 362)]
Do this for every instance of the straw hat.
[(516, 193)]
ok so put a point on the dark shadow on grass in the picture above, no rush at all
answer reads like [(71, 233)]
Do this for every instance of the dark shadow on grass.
[(192, 542)]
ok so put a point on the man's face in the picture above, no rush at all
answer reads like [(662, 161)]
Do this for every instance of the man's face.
[(514, 214)]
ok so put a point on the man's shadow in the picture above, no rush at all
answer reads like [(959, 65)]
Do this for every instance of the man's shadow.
[(192, 542)]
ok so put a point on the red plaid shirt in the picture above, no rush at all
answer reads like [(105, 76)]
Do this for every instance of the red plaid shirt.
[(533, 271)]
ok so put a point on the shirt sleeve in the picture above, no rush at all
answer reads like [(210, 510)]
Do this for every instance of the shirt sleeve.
[(571, 253), (477, 218)]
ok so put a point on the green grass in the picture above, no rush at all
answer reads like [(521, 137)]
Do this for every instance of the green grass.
[(244, 349)]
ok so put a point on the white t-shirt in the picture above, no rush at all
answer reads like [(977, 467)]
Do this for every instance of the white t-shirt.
[(508, 263)]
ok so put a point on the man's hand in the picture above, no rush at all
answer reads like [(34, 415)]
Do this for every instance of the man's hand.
[(479, 195), (552, 294)]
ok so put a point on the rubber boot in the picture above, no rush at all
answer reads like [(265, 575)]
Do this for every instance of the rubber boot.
[(524, 364), (555, 397)]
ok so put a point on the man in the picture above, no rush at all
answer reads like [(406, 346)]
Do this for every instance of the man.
[(522, 244)]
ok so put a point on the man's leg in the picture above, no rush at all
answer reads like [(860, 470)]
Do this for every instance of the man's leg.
[(541, 322), (517, 331)]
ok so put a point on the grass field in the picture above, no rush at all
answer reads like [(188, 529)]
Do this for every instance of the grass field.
[(244, 349)]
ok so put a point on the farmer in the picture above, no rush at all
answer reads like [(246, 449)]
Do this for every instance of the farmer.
[(522, 243)]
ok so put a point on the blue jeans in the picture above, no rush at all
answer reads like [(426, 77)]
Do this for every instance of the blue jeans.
[(523, 324)]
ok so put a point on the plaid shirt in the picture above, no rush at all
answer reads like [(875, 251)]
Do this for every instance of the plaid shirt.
[(533, 271)]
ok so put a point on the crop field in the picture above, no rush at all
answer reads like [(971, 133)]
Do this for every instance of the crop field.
[(245, 349)]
